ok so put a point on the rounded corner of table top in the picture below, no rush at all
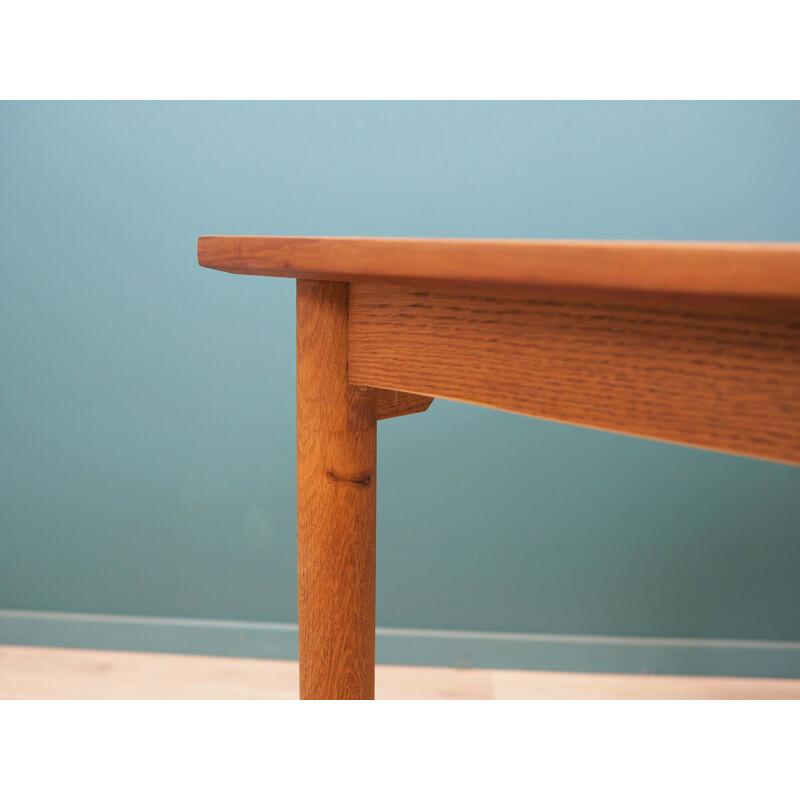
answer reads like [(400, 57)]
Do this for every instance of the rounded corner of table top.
[(766, 270)]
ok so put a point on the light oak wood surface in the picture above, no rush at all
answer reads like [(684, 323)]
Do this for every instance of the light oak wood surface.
[(692, 343), (766, 271), (391, 403), (38, 673), (720, 378), (336, 460)]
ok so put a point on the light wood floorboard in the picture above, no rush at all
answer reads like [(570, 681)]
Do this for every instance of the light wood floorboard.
[(59, 674)]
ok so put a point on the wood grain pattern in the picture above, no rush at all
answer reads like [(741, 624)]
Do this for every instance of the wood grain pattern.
[(716, 378), (769, 271), (399, 404), (336, 461), (697, 344)]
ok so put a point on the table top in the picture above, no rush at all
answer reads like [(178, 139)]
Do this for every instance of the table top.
[(751, 270)]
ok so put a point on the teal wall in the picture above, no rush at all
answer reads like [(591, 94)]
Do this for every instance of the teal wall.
[(147, 405)]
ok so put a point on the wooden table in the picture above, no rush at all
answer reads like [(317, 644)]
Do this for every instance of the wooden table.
[(691, 343)]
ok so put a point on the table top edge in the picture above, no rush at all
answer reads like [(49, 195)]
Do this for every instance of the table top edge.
[(744, 269)]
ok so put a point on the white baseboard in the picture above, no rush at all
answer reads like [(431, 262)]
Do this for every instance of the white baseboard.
[(549, 652)]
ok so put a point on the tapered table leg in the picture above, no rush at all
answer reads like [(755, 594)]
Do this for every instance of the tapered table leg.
[(336, 453)]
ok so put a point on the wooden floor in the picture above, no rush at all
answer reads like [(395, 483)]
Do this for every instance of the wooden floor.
[(50, 673)]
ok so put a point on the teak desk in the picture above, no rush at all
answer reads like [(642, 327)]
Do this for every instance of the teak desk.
[(691, 343)]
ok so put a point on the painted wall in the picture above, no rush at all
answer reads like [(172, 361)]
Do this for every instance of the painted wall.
[(147, 405)]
